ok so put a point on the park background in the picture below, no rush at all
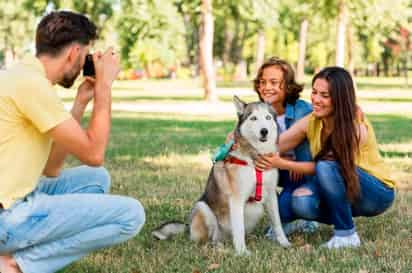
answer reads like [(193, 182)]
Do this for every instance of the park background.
[(182, 61)]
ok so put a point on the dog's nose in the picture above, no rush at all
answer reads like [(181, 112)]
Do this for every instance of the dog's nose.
[(264, 132)]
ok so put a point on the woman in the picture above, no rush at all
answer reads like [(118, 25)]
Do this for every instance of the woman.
[(350, 178), (275, 84)]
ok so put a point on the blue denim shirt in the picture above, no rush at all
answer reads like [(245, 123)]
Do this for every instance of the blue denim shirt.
[(292, 114)]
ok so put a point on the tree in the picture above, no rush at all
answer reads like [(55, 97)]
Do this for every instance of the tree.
[(190, 12), (301, 11), (260, 49), (341, 33), (16, 29), (150, 31), (206, 51), (98, 10)]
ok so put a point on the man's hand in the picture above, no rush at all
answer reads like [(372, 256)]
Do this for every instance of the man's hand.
[(85, 92), (107, 66)]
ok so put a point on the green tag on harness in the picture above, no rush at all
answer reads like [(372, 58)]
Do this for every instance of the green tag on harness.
[(222, 151)]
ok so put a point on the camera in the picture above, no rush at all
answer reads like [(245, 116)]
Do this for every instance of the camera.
[(88, 68)]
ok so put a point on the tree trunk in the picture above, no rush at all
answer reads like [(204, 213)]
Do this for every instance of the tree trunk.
[(260, 49), (206, 51), (351, 45), (9, 53), (340, 39), (237, 49), (300, 70), (228, 38)]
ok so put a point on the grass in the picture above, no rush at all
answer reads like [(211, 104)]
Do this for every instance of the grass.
[(163, 160)]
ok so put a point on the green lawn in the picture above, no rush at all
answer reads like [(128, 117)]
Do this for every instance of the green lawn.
[(163, 160)]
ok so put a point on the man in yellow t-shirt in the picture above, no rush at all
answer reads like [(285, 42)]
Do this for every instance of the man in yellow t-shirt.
[(48, 222)]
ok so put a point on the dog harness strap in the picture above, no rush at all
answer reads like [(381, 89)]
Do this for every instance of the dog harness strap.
[(259, 177), (259, 183), (236, 161)]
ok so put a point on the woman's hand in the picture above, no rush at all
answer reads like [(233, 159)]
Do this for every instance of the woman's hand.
[(269, 161), (295, 176)]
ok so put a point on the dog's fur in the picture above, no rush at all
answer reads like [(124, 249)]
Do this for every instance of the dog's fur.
[(223, 209)]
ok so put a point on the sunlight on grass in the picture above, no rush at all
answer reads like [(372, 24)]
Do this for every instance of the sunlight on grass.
[(200, 161)]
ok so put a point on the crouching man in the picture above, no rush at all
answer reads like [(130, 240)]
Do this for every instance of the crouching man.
[(48, 222)]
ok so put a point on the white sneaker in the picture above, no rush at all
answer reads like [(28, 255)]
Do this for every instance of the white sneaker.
[(343, 241)]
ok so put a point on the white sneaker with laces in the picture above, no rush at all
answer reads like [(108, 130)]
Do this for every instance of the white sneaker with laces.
[(343, 241)]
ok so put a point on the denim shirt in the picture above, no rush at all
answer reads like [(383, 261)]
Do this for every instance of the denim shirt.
[(292, 114)]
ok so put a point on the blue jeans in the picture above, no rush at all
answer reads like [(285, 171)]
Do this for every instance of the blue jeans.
[(328, 203), (285, 197), (65, 218)]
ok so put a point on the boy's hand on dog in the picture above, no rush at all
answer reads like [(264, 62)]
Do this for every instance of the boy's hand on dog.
[(230, 137), (269, 161), (360, 116)]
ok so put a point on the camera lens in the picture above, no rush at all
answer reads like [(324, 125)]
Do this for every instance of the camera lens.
[(88, 68)]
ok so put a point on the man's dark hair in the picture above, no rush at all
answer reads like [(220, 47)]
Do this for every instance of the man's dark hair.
[(59, 29)]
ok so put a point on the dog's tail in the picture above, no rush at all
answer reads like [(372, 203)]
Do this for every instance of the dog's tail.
[(169, 229)]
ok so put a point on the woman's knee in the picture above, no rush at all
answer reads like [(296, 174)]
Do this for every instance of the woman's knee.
[(329, 179), (304, 204), (325, 168)]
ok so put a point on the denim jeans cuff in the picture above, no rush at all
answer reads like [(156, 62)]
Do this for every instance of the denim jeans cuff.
[(20, 263), (344, 232)]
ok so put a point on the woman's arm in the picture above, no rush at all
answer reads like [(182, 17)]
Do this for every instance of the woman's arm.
[(269, 161)]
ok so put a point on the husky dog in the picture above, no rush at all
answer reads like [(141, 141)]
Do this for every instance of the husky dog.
[(225, 208)]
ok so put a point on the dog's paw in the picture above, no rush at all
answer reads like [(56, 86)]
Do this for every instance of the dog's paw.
[(244, 252), (284, 242)]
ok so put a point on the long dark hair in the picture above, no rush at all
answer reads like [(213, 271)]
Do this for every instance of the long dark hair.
[(292, 88), (343, 142)]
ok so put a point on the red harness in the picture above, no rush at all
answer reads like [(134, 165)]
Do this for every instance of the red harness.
[(259, 176)]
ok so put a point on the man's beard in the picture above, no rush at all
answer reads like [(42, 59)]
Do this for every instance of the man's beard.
[(68, 78)]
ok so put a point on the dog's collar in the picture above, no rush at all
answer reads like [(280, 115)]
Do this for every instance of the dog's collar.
[(259, 177)]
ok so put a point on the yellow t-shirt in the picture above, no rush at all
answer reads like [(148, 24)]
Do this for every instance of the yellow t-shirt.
[(369, 158), (29, 107)]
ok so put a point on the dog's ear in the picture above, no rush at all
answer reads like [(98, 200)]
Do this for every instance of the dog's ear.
[(239, 104)]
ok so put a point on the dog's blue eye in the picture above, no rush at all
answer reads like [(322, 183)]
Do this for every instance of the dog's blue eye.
[(268, 117), (253, 118)]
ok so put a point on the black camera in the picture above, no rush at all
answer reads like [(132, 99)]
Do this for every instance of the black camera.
[(88, 68)]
